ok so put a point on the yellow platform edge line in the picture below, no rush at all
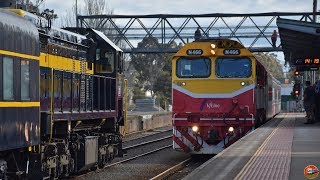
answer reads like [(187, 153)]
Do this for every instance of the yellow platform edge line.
[(249, 164)]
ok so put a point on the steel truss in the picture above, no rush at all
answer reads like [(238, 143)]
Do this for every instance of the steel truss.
[(252, 30)]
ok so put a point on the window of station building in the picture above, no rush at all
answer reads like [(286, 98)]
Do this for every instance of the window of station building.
[(193, 68), (228, 67), (25, 80), (8, 79)]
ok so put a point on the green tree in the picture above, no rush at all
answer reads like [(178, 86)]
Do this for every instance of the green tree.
[(271, 63), (138, 92), (153, 71), (162, 88)]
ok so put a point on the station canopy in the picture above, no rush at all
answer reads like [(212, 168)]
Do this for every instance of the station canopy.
[(300, 42)]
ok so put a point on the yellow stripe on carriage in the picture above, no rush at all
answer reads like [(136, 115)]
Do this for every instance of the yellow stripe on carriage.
[(19, 104), (15, 54)]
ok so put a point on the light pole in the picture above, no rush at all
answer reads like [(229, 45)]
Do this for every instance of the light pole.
[(314, 10), (77, 24)]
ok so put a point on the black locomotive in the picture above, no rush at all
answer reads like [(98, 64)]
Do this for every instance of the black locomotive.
[(61, 97)]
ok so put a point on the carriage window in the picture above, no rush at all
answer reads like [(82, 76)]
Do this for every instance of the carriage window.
[(8, 78), (193, 68), (25, 81), (228, 67), (270, 93)]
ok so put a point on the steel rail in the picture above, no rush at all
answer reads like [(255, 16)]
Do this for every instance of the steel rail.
[(160, 132), (171, 170), (137, 156), (148, 142), (123, 161), (129, 159)]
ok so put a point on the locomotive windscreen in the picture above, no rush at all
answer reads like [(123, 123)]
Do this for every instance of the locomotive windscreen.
[(227, 67), (193, 68)]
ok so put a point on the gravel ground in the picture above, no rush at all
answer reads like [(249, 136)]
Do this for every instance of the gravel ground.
[(142, 168)]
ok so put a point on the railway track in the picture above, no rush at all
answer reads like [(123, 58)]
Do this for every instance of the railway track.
[(137, 148), (172, 170), (181, 169), (145, 153), (137, 156), (146, 143), (146, 136)]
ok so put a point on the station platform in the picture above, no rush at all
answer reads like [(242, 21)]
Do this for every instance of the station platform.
[(280, 149)]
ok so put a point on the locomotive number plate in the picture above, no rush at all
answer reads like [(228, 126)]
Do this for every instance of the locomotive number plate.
[(194, 52), (231, 51)]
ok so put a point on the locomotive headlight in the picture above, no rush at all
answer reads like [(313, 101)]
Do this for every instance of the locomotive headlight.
[(213, 52), (243, 83), (195, 128), (231, 129), (213, 46)]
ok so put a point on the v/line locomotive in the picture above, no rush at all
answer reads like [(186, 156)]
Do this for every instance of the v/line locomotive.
[(61, 98), (220, 92)]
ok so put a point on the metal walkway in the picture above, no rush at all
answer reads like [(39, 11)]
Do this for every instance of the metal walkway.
[(167, 31)]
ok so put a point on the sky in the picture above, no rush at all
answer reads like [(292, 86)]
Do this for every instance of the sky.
[(142, 7)]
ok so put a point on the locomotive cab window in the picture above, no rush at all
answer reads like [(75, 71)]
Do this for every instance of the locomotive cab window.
[(97, 54), (193, 67), (109, 62), (106, 60), (228, 67)]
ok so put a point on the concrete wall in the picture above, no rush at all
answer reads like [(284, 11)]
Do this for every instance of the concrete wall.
[(145, 122), (133, 124)]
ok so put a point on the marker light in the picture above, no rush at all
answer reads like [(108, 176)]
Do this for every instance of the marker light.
[(213, 46), (243, 83), (296, 92), (234, 101), (195, 128), (231, 129)]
